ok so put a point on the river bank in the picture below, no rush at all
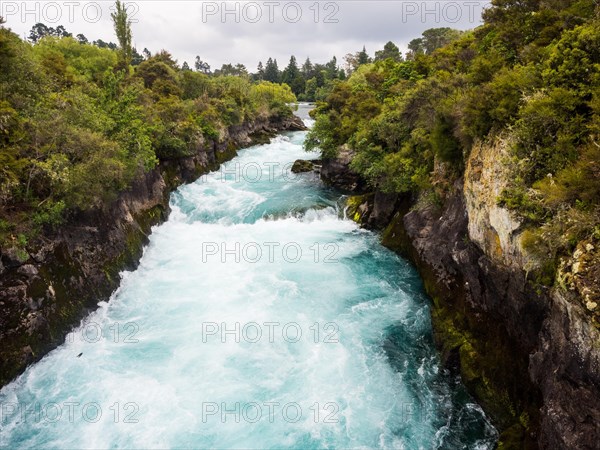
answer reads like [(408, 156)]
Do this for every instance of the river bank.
[(528, 354), (47, 292)]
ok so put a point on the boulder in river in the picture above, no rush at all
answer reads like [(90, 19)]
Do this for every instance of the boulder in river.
[(303, 165)]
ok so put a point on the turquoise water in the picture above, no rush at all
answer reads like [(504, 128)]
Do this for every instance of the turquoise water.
[(258, 318)]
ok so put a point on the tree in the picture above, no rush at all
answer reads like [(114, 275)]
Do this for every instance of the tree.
[(390, 50), (272, 73), (76, 129), (320, 72), (291, 71), (363, 57), (415, 47), (292, 77), (354, 60), (38, 31), (146, 53), (100, 43), (307, 69), (159, 74), (239, 70), (431, 40), (260, 71), (332, 69), (122, 26), (351, 62), (61, 32), (201, 66), (166, 57), (136, 58), (185, 66), (310, 89), (435, 38)]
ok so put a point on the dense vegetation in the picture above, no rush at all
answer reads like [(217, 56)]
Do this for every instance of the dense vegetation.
[(530, 74), (79, 121)]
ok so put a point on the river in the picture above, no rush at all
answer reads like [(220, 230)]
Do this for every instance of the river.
[(258, 318)]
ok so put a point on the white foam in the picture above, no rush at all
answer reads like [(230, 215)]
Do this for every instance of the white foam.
[(175, 368)]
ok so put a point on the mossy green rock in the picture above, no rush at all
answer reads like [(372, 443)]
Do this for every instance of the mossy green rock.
[(357, 207), (302, 165)]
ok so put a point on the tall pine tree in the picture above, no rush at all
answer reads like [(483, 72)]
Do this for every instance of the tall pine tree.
[(122, 26), (307, 69), (272, 71), (292, 77), (260, 71), (363, 57)]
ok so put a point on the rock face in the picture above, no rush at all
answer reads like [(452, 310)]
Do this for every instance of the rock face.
[(46, 292), (531, 356), (290, 123), (581, 274), (486, 317), (491, 227), (373, 211), (566, 367), (336, 172), (564, 360)]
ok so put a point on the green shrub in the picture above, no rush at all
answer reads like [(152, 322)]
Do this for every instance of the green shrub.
[(50, 214), (444, 144)]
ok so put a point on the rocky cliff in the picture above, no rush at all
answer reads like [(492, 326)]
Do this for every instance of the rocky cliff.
[(62, 277), (529, 354)]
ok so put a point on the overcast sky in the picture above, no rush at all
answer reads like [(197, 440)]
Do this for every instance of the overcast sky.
[(247, 32)]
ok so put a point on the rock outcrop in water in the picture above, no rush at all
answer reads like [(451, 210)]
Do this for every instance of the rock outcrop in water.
[(45, 293), (530, 355), (304, 165)]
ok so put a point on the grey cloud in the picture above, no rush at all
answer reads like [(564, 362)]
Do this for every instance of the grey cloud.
[(178, 26)]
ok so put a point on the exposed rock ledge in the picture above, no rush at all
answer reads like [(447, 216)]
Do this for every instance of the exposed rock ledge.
[(336, 172), (66, 274)]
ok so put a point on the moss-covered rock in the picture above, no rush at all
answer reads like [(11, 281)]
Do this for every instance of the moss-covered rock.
[(302, 165), (358, 207), (581, 274)]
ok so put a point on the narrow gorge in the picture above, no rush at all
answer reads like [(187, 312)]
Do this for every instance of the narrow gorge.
[(358, 367), (392, 242)]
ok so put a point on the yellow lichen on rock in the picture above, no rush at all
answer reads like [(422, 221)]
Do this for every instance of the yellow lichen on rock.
[(581, 273), (356, 206), (495, 229)]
